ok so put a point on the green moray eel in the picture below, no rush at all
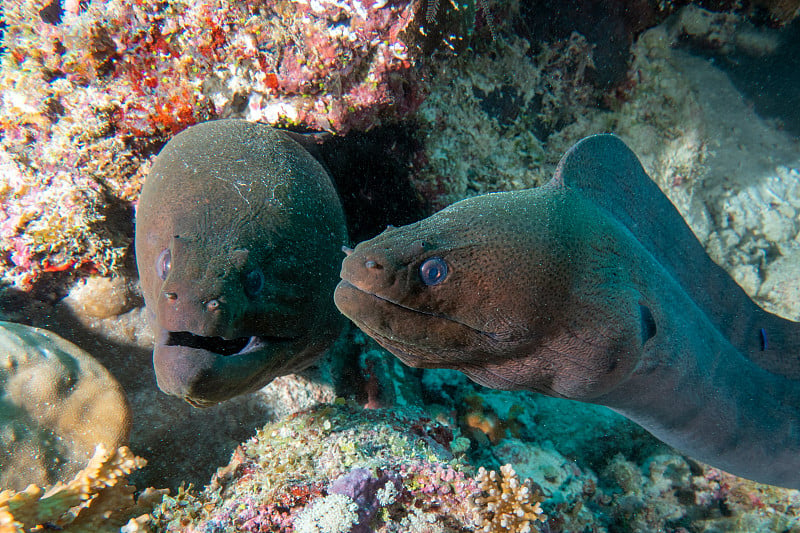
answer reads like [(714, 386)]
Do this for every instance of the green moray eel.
[(238, 243), (591, 288)]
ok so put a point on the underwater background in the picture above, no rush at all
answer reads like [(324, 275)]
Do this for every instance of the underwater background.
[(422, 103)]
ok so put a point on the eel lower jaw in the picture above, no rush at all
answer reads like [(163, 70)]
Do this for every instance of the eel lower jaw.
[(413, 357), (207, 370), (408, 355), (418, 338), (219, 345)]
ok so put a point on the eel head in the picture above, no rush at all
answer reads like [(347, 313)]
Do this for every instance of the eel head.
[(224, 324), (238, 231), (506, 288)]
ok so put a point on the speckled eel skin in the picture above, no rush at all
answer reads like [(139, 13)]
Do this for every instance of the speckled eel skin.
[(591, 288), (238, 243)]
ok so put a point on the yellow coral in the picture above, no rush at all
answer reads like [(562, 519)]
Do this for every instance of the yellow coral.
[(506, 504), (94, 501)]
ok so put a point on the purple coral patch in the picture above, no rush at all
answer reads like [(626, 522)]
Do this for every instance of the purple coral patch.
[(361, 487)]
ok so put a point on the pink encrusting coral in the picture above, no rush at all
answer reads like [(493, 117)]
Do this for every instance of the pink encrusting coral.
[(89, 90)]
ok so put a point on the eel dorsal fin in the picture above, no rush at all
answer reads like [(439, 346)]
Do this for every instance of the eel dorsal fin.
[(608, 173)]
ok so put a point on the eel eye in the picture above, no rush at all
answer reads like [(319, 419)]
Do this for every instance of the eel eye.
[(433, 271), (163, 263), (253, 282)]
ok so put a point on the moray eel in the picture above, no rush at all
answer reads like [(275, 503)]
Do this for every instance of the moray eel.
[(590, 288), (238, 242)]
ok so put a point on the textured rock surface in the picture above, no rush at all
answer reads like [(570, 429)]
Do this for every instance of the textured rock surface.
[(56, 404)]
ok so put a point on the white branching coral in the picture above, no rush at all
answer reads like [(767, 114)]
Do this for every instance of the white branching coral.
[(505, 503)]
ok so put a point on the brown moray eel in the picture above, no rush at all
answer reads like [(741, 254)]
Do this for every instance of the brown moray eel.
[(591, 288), (238, 243)]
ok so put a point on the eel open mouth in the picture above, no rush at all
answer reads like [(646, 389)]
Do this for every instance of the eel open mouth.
[(219, 345)]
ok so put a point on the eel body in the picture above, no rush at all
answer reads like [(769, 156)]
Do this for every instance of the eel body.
[(238, 238), (591, 288)]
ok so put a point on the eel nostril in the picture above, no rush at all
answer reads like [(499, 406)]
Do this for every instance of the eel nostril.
[(372, 264), (171, 295)]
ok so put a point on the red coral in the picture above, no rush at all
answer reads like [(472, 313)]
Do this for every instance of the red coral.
[(277, 515)]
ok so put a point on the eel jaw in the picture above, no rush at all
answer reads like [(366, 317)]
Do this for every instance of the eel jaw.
[(481, 358), (207, 370), (419, 339), (218, 345)]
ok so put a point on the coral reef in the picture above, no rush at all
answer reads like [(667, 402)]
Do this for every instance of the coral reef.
[(511, 420), (96, 500), (56, 404), (499, 125), (601, 473), (613, 27), (718, 161), (99, 297), (668, 489), (90, 90), (335, 513), (340, 468)]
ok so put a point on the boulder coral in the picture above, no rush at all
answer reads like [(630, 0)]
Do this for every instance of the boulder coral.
[(56, 404)]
